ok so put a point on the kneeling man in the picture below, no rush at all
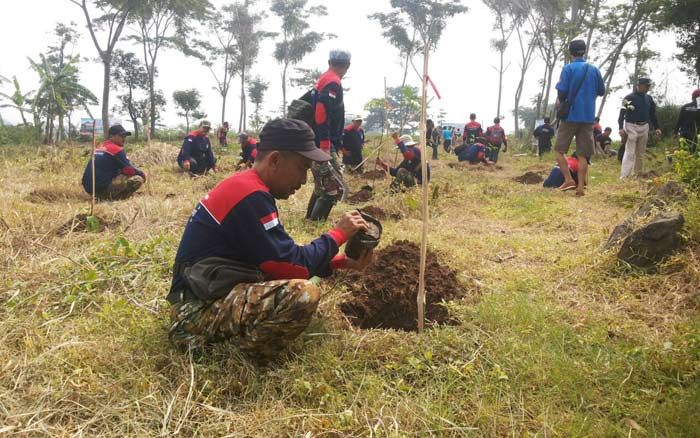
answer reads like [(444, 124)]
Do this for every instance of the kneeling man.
[(238, 275)]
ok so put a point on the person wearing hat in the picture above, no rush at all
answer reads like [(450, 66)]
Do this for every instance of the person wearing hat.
[(353, 143), (637, 112), (409, 171), (688, 126), (238, 275), (115, 176), (196, 155), (329, 120), (248, 150), (579, 85)]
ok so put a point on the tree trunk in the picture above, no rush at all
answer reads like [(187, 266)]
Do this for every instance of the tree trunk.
[(284, 90), (187, 123), (21, 113), (608, 80), (500, 87), (152, 99), (60, 135), (107, 64), (593, 24), (241, 118)]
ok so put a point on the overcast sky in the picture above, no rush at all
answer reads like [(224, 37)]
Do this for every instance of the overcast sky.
[(462, 66)]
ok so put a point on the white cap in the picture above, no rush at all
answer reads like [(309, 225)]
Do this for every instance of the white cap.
[(407, 140)]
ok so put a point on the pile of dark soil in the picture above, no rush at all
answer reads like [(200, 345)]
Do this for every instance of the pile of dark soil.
[(374, 174), (529, 178), (375, 212), (79, 223), (51, 195), (364, 195), (384, 295)]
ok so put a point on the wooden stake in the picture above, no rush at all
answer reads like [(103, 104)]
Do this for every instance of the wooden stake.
[(92, 200), (425, 183)]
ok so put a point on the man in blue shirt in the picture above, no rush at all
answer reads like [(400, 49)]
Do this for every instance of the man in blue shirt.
[(238, 275), (196, 156), (579, 85), (447, 134), (637, 113)]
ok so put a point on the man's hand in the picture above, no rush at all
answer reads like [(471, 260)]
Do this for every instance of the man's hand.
[(359, 265), (351, 223), (622, 133), (658, 132), (186, 166)]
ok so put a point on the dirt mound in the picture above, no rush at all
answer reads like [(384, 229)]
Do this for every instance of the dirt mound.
[(374, 174), (381, 214), (364, 195), (50, 195), (384, 295), (529, 178), (80, 223), (155, 154)]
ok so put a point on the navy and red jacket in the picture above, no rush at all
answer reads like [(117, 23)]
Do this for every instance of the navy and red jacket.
[(411, 161), (353, 142), (239, 220), (110, 162), (197, 146), (249, 150), (472, 131), (496, 135), (329, 112)]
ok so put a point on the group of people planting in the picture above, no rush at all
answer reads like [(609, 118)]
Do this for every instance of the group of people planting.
[(239, 276)]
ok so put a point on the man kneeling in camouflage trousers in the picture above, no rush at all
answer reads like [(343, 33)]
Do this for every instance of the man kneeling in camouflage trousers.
[(238, 275)]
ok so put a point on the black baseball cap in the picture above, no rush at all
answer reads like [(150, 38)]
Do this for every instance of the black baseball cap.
[(643, 81), (577, 47), (118, 130), (291, 135)]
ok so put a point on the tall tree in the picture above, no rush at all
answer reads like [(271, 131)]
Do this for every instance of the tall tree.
[(505, 27), (306, 78), (130, 75), (109, 16), (188, 101), (403, 107), (248, 37), (297, 40), (164, 24), (626, 21), (256, 90), (424, 20), (684, 17)]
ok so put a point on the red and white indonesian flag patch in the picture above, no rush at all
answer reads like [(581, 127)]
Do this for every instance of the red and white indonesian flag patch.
[(270, 221)]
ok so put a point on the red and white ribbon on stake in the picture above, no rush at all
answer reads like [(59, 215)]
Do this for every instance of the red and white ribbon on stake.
[(432, 85)]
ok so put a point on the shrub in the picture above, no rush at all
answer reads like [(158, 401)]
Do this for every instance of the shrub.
[(687, 167), (13, 135)]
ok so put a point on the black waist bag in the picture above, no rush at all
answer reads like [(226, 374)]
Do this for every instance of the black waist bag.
[(302, 109), (214, 277)]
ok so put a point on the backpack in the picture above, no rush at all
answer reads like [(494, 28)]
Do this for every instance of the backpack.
[(303, 109), (496, 137)]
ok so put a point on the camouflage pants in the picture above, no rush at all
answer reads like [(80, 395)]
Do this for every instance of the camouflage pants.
[(122, 187), (328, 180), (261, 318), (404, 178)]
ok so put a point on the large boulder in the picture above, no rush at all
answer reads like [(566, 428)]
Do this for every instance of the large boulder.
[(651, 243), (660, 199)]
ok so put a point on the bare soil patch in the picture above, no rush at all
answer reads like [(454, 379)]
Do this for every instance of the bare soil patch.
[(384, 296), (365, 194), (50, 195), (530, 178), (79, 223)]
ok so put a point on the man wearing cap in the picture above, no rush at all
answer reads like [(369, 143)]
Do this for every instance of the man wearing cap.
[(579, 85), (688, 126), (248, 149), (115, 176), (196, 155), (329, 119), (637, 112), (238, 275), (409, 170), (353, 143)]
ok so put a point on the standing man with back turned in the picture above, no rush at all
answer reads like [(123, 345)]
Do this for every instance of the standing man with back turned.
[(637, 112), (579, 85)]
